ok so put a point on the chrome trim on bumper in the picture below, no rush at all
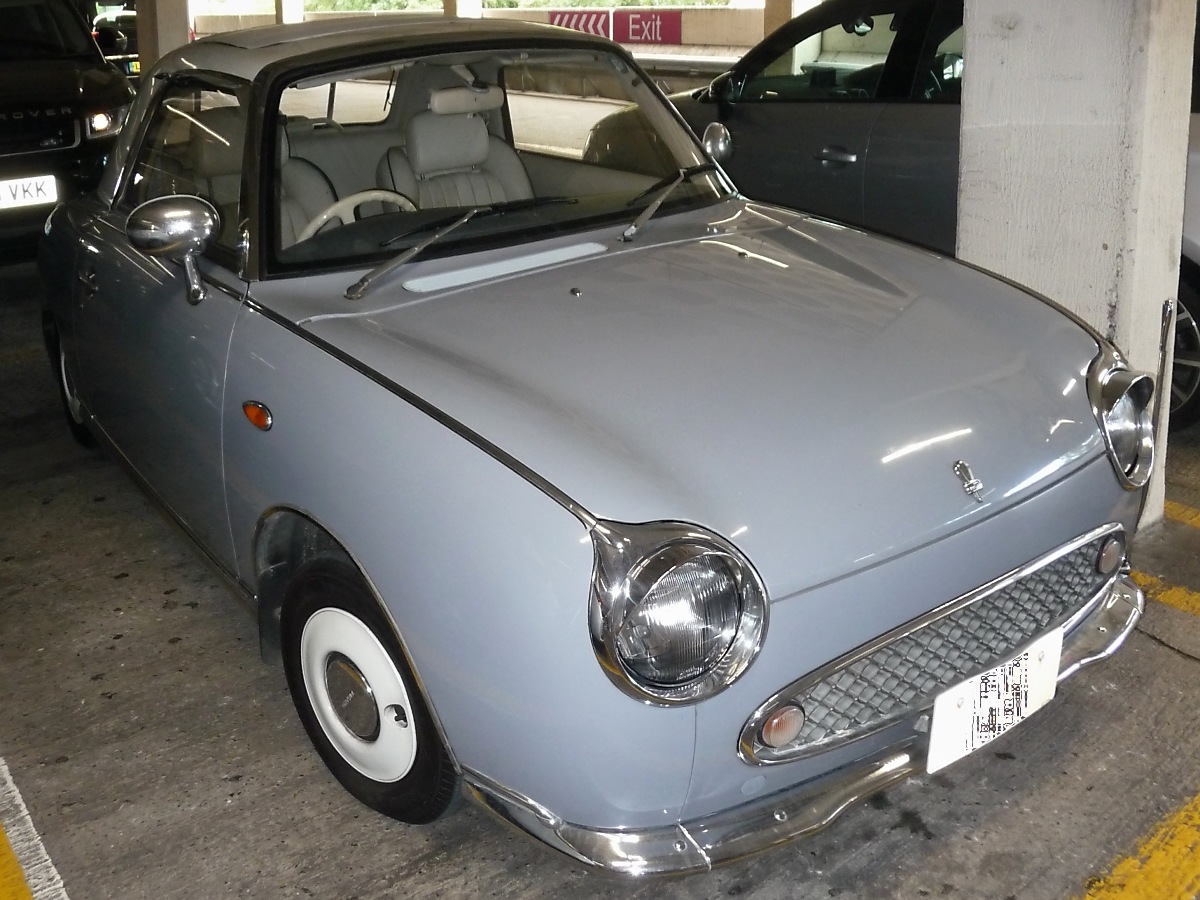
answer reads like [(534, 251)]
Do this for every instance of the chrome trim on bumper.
[(701, 844)]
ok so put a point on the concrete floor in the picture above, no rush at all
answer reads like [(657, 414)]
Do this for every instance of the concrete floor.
[(160, 758)]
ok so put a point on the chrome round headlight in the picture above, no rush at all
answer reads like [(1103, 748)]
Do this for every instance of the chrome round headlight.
[(1121, 400), (677, 613)]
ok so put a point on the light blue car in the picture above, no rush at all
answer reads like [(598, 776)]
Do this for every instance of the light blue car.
[(662, 523)]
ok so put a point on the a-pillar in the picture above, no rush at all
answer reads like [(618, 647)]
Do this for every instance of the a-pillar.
[(1071, 176)]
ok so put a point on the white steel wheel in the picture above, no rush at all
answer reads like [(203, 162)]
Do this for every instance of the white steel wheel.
[(70, 398), (357, 695), (73, 409)]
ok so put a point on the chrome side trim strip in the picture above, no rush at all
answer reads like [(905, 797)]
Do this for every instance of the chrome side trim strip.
[(700, 844)]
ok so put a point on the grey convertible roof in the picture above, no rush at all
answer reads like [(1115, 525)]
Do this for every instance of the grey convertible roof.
[(245, 53)]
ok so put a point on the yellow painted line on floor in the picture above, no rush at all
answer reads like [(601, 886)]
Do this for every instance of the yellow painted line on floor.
[(1165, 866), (1177, 512), (1172, 595), (12, 879), (26, 872)]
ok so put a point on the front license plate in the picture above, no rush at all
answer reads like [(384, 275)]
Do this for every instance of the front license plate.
[(980, 709), (33, 191)]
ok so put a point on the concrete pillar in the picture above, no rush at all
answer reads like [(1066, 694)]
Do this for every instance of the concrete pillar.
[(467, 9), (162, 25), (1074, 143), (287, 11), (777, 12)]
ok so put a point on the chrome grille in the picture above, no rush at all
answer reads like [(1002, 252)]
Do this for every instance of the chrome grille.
[(848, 700)]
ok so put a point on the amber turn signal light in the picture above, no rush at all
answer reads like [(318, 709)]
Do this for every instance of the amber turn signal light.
[(259, 415)]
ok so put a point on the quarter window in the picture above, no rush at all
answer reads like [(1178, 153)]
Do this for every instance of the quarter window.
[(194, 144)]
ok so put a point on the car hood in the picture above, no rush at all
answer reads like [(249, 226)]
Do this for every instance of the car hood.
[(800, 387), (34, 87)]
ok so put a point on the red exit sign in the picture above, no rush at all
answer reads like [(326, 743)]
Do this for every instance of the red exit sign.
[(646, 26), (625, 26)]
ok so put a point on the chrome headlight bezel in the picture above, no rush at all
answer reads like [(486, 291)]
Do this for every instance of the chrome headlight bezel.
[(631, 564), (1122, 401)]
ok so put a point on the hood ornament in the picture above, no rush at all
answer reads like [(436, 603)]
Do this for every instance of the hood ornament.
[(970, 483)]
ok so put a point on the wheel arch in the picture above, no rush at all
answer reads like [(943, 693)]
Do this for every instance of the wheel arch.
[(285, 540)]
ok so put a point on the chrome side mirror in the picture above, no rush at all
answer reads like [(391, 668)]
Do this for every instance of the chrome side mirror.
[(175, 228), (718, 142)]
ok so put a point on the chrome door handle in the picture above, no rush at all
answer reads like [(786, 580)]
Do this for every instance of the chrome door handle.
[(837, 155)]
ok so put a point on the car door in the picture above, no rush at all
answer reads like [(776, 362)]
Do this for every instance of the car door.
[(153, 363), (911, 176), (802, 105)]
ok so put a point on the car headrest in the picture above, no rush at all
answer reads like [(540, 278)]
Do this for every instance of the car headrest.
[(440, 143)]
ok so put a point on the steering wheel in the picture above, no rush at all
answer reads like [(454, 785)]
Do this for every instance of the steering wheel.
[(343, 210)]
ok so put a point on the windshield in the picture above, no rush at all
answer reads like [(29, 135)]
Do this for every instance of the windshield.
[(370, 162), (42, 29)]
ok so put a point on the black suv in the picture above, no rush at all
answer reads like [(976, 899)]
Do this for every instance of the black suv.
[(61, 107)]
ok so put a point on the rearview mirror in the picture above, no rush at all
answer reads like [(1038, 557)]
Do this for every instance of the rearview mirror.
[(726, 88)]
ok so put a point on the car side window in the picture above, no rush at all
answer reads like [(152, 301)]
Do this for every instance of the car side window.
[(194, 144), (843, 61), (939, 70)]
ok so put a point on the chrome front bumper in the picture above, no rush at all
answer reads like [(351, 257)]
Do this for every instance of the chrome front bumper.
[(701, 844)]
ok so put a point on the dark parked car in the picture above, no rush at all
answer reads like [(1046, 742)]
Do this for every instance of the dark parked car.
[(851, 111), (123, 23), (61, 107)]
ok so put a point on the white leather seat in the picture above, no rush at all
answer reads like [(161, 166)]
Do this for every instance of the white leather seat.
[(214, 162), (304, 191), (450, 158)]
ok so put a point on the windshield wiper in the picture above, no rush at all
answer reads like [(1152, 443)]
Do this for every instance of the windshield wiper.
[(665, 187), (442, 227)]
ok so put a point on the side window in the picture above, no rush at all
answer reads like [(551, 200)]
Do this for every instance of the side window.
[(194, 144), (939, 70), (842, 62)]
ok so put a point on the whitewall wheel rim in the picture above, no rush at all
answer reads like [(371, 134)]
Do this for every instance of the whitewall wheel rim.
[(338, 649), (74, 407)]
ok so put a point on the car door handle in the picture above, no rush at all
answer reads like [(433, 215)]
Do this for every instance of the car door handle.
[(839, 156), (87, 278)]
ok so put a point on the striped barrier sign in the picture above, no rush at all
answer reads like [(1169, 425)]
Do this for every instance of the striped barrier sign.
[(589, 22)]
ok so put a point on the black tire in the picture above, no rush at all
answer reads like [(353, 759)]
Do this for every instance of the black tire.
[(378, 738), (64, 376), (1185, 373)]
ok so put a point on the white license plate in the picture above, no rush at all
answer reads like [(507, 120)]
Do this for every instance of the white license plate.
[(980, 709), (34, 191)]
